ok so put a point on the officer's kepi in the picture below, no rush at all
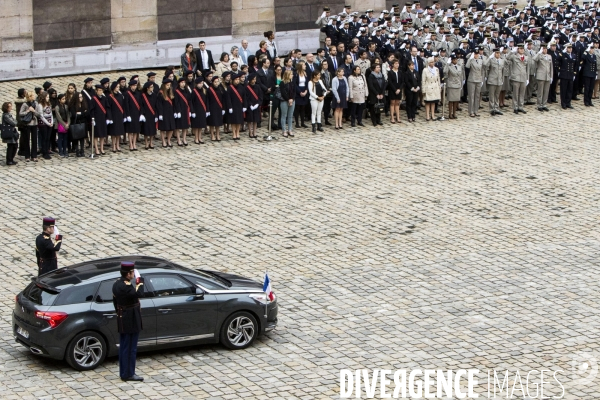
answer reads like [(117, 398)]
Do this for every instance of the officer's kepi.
[(127, 266)]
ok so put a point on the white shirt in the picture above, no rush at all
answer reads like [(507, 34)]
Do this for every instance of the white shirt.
[(205, 60)]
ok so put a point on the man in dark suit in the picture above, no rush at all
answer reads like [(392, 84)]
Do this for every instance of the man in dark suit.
[(266, 81), (204, 57), (333, 61)]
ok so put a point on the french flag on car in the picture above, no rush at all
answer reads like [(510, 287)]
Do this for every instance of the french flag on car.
[(267, 288)]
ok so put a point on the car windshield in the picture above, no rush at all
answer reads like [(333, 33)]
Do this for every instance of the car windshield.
[(38, 295)]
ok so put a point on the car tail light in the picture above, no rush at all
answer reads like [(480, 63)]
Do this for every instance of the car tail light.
[(53, 318)]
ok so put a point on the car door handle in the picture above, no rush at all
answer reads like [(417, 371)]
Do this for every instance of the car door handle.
[(110, 315), (164, 310)]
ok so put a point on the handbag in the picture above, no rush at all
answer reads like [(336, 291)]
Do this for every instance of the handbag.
[(61, 128), (278, 93), (8, 132), (77, 130), (27, 118), (379, 107)]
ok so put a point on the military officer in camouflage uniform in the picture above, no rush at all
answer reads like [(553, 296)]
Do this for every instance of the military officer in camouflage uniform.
[(494, 67), (544, 75)]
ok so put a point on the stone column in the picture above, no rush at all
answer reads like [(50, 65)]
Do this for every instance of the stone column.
[(134, 21), (363, 5), (252, 17), (16, 26)]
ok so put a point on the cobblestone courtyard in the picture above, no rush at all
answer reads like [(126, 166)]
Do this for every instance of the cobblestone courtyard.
[(444, 245)]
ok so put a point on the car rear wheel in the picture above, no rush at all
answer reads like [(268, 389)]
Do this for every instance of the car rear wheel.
[(86, 351), (239, 330)]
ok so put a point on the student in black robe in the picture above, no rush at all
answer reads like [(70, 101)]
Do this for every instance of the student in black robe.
[(184, 112), (254, 98), (216, 106), (149, 116), (200, 110), (237, 105), (166, 112), (116, 128), (133, 105), (225, 83), (100, 111)]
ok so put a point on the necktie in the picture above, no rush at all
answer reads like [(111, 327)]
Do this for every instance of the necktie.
[(416, 64), (334, 63)]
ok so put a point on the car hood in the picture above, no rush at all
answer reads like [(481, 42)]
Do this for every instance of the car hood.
[(239, 282)]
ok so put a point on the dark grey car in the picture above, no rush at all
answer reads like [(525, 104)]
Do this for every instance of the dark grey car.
[(69, 313)]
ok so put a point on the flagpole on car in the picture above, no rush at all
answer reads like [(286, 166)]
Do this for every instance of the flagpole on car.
[(266, 295)]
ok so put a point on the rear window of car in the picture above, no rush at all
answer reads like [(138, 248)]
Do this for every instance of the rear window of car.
[(77, 294), (38, 295)]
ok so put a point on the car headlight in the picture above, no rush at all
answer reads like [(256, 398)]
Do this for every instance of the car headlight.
[(263, 298)]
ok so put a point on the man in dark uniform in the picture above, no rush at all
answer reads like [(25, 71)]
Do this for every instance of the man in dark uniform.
[(567, 74), (45, 250), (588, 75), (126, 294), (556, 61)]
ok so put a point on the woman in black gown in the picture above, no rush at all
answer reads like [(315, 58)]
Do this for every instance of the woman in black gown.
[(200, 110), (237, 105), (254, 98), (100, 113), (133, 105), (149, 116), (184, 113), (116, 129), (166, 112), (216, 105)]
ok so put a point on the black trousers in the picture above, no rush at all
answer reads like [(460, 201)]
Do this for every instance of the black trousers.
[(300, 111), (375, 117), (327, 107), (566, 92), (576, 87), (411, 104), (275, 108), (46, 133), (11, 152), (356, 112), (30, 141), (588, 89), (552, 93)]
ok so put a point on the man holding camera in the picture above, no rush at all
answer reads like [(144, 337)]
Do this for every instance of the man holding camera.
[(45, 249), (126, 293)]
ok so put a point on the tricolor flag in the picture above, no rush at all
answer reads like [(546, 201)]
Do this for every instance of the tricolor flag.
[(267, 288)]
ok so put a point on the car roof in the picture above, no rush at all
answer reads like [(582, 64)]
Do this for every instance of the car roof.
[(105, 268)]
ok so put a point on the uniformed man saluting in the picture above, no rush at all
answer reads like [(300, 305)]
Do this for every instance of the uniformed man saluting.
[(126, 294), (45, 249)]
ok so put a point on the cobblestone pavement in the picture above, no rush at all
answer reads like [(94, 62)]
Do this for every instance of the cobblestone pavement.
[(456, 244)]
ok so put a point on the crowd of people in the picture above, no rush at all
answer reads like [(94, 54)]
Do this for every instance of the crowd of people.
[(367, 65)]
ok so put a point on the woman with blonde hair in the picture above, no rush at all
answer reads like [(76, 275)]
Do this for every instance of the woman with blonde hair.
[(235, 56), (430, 85)]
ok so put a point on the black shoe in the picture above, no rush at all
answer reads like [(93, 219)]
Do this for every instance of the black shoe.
[(545, 109), (516, 111), (303, 125), (314, 128), (134, 378), (327, 123), (320, 128), (540, 109), (522, 111), (493, 113), (259, 125), (379, 123), (570, 106), (360, 124), (353, 125), (576, 98), (499, 113), (47, 157), (297, 126), (529, 103)]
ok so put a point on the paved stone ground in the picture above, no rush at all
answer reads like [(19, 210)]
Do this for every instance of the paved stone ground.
[(457, 244)]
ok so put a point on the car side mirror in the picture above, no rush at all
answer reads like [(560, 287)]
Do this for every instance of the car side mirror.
[(199, 294)]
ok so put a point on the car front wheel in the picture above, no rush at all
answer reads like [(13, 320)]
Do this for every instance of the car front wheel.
[(239, 330), (86, 351)]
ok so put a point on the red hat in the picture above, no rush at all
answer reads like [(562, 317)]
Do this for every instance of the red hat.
[(49, 221)]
